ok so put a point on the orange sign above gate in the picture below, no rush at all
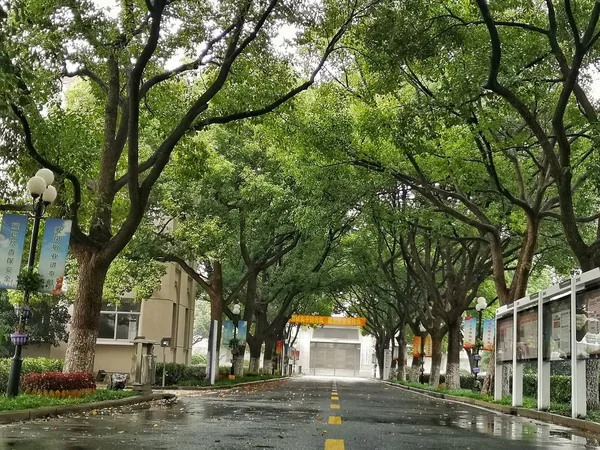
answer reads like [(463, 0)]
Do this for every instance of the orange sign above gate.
[(327, 320)]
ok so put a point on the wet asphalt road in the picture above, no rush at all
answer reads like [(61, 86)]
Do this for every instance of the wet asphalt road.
[(295, 414)]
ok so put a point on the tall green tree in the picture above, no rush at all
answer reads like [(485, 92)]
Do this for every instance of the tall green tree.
[(144, 106)]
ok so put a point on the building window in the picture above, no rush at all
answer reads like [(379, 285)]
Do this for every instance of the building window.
[(120, 322)]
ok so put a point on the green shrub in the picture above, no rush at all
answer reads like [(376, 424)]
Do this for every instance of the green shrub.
[(176, 373), (30, 365), (198, 360)]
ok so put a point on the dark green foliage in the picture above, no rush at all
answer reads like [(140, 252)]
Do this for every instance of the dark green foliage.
[(198, 359), (30, 365), (180, 374), (560, 387), (48, 324)]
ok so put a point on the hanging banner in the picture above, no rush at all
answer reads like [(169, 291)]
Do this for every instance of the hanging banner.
[(55, 245), (12, 243), (279, 347), (489, 329), (470, 332), (427, 348), (326, 320), (242, 331), (227, 335)]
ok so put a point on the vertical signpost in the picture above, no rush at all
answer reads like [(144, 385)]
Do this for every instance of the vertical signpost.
[(578, 366), (543, 366)]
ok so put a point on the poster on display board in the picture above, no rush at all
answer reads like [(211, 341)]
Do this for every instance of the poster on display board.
[(470, 332), (527, 334), (588, 322), (489, 329), (557, 329), (504, 339)]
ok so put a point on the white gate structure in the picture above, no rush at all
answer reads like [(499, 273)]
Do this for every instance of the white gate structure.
[(553, 325)]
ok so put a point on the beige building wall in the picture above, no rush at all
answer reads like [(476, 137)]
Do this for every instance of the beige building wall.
[(168, 313)]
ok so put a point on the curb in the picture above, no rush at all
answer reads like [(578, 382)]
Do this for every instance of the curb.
[(215, 387), (51, 411), (542, 416)]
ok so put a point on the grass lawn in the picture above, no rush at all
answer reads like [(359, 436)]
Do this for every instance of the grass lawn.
[(26, 401)]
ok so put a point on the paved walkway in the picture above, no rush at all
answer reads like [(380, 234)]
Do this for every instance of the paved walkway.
[(300, 413)]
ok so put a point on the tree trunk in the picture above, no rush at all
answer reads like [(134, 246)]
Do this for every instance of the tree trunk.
[(488, 382), (238, 362), (268, 355), (401, 373), (413, 373), (436, 360), (255, 349), (470, 355), (507, 371), (592, 369), (393, 367), (81, 345), (453, 363), (380, 351), (215, 294)]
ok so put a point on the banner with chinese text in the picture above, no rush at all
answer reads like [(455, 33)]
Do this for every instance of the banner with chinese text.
[(12, 243), (489, 331), (227, 335), (427, 348), (326, 320), (470, 332), (53, 256), (242, 331)]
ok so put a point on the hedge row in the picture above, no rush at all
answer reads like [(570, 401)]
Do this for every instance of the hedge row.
[(560, 386), (57, 381), (175, 374), (30, 365)]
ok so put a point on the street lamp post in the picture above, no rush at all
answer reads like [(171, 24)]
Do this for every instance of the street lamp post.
[(236, 311), (479, 307), (423, 330), (43, 193)]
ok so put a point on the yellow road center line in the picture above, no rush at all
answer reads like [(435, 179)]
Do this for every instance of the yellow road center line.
[(335, 406), (335, 420), (334, 398), (334, 444)]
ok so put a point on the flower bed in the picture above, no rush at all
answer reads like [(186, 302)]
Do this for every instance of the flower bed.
[(61, 385)]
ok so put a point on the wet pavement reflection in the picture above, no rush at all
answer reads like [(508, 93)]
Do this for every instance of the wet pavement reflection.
[(293, 415)]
